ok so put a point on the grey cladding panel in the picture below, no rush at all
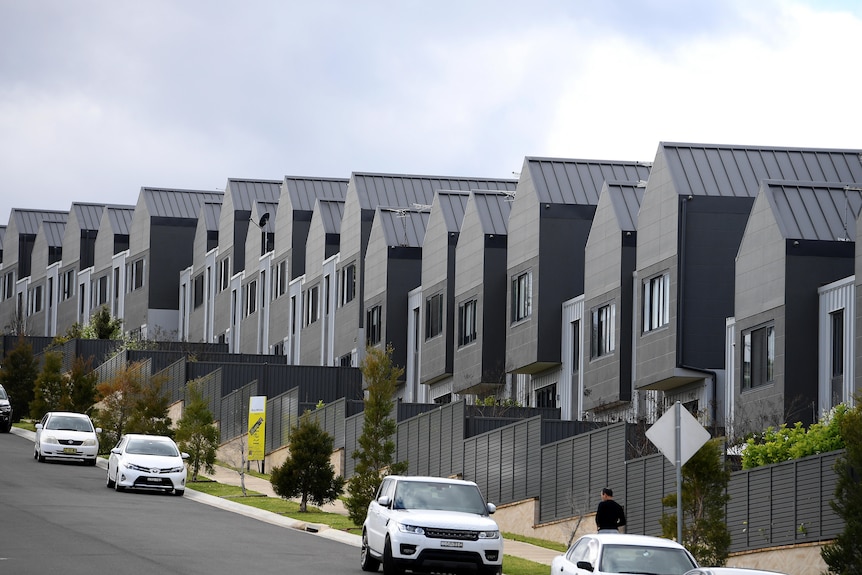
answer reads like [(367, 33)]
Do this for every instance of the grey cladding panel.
[(783, 498)]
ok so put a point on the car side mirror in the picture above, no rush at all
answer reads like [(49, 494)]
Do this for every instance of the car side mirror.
[(38, 426), (98, 430), (585, 565), (184, 455), (384, 501), (491, 508), (115, 451)]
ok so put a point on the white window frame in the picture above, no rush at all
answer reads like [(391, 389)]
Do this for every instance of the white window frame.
[(656, 302)]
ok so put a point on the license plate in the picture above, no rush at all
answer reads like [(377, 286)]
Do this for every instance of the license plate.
[(451, 544), (70, 450), (154, 480)]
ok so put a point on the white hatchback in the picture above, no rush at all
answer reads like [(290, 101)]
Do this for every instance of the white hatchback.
[(66, 435), (430, 524), (610, 553), (152, 462)]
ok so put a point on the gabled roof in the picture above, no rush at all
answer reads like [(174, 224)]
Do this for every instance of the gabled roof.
[(185, 204), (211, 212), (245, 192), (120, 219), (402, 227), (331, 213), (53, 232), (304, 191), (28, 221), (493, 209), (88, 215), (579, 182), (405, 191), (736, 171), (451, 205), (626, 198), (814, 211)]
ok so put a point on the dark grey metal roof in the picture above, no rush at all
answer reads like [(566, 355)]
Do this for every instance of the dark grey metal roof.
[(168, 203), (451, 205), (331, 213), (579, 182), (53, 232), (736, 171), (403, 191), (211, 212), (402, 227), (814, 211), (493, 209), (28, 221), (245, 192), (626, 198), (88, 216), (120, 219), (304, 191)]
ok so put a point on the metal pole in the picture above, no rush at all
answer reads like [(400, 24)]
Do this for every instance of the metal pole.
[(678, 407)]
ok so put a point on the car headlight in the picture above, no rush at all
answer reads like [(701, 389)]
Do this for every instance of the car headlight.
[(176, 469), (50, 439), (5, 408), (137, 467), (489, 534), (89, 442), (416, 530)]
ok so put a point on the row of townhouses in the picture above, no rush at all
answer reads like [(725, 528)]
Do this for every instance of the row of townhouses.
[(720, 276)]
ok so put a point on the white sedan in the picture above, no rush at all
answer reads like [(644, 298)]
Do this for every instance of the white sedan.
[(151, 462), (602, 553), (66, 435)]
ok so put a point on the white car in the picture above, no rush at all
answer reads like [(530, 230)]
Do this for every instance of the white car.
[(152, 462), (430, 524), (730, 571), (66, 435), (602, 553)]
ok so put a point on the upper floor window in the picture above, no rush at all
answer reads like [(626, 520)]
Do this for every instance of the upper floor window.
[(576, 346), (311, 305), (68, 284), (198, 291), (656, 302), (34, 300), (522, 296), (346, 284), (602, 330), (434, 316), (135, 274), (279, 280), (224, 273), (467, 322), (374, 325), (251, 297), (758, 356), (8, 285)]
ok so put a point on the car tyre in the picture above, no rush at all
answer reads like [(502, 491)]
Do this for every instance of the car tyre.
[(179, 492), (90, 462), (117, 486), (108, 483), (491, 570), (39, 457), (389, 565), (366, 561)]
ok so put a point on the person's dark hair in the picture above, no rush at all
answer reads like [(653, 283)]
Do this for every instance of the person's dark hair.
[(608, 491)]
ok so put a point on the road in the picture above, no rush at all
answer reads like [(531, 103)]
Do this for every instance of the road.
[(59, 518)]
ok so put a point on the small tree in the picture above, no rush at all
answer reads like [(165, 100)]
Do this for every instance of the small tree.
[(150, 409), (104, 326), (197, 434), (307, 472), (82, 383), (118, 396), (51, 392), (704, 498), (844, 554), (18, 376), (375, 456)]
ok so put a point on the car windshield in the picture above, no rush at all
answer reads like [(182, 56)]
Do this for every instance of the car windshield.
[(643, 559), (69, 423), (439, 496), (3, 393), (151, 447)]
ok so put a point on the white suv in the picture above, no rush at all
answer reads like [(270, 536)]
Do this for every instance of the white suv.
[(430, 524)]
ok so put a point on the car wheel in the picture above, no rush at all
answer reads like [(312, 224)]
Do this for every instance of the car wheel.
[(39, 457), (389, 565), (491, 570), (179, 492), (117, 486), (366, 561), (108, 482), (90, 462)]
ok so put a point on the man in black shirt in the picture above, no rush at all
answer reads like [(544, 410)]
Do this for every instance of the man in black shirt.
[(609, 514)]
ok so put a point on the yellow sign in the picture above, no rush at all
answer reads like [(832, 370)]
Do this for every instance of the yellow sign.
[(257, 428)]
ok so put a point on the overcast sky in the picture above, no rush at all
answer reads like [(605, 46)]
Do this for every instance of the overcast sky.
[(100, 98)]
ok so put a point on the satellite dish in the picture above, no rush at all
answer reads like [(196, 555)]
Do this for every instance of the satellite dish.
[(263, 219)]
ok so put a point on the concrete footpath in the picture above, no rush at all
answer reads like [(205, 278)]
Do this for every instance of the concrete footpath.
[(231, 477)]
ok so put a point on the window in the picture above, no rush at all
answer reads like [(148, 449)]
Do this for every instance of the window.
[(251, 297), (279, 280), (327, 286), (8, 285), (522, 296), (116, 283), (576, 346), (434, 316), (224, 274), (836, 319), (547, 396), (602, 330), (373, 325), (293, 316), (34, 300), (135, 274), (347, 284), (345, 360), (310, 305), (68, 284), (758, 357), (467, 322), (656, 302), (101, 291), (198, 293)]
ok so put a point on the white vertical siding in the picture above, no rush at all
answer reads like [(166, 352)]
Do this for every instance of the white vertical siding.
[(839, 295), (570, 386)]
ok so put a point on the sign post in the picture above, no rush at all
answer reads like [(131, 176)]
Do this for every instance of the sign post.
[(257, 428), (678, 435)]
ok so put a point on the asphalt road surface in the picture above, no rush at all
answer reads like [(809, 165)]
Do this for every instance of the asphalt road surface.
[(59, 518)]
